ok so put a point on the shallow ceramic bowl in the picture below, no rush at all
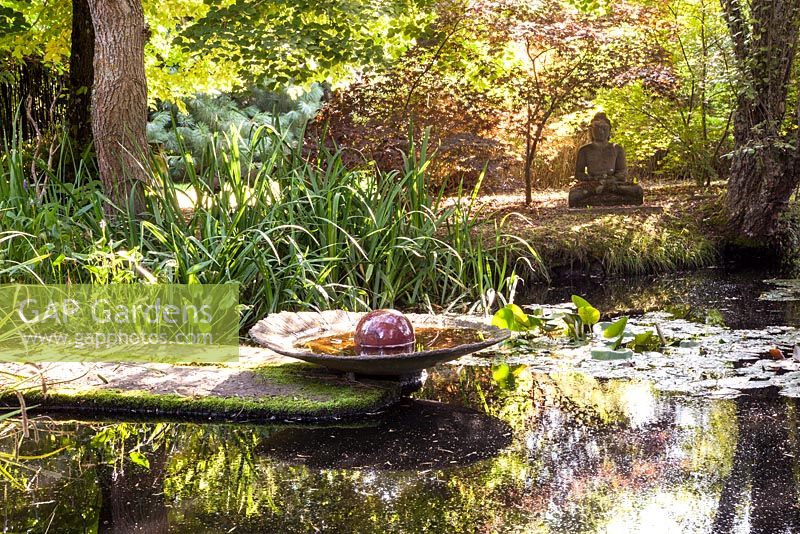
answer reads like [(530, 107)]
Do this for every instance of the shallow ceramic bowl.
[(287, 332)]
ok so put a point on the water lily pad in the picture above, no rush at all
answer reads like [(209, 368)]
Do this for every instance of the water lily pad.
[(787, 290), (609, 354)]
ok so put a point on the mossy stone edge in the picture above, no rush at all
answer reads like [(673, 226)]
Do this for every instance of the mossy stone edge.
[(313, 400)]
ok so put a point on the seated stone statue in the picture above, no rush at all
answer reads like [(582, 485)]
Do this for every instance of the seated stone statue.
[(602, 172)]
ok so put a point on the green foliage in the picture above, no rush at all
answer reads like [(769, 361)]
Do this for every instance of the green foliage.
[(645, 341), (619, 337), (579, 327), (681, 128), (11, 21), (293, 39), (468, 70), (139, 459), (579, 323), (615, 329), (295, 233), (222, 46), (198, 46), (36, 28), (513, 318), (210, 123)]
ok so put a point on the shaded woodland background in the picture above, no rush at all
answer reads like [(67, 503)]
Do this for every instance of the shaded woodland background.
[(507, 85)]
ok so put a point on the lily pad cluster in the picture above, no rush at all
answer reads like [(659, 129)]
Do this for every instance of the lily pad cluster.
[(674, 354), (580, 325)]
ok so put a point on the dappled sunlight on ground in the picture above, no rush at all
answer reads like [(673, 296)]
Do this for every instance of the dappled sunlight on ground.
[(677, 227), (550, 206), (668, 195)]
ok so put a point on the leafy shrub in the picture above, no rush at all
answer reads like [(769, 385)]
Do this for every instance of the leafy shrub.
[(200, 130)]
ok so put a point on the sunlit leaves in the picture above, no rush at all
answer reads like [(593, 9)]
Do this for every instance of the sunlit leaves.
[(197, 46), (139, 459), (676, 119), (511, 317), (298, 42), (579, 324), (587, 313), (616, 328), (36, 28)]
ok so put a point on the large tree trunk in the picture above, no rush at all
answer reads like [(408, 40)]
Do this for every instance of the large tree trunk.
[(119, 98), (81, 75), (762, 179), (763, 169)]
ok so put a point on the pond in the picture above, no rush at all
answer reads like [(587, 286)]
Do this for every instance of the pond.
[(709, 295), (483, 447)]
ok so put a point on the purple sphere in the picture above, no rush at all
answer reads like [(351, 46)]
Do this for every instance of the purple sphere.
[(384, 331)]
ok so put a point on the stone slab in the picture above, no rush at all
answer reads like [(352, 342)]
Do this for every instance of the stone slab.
[(260, 387)]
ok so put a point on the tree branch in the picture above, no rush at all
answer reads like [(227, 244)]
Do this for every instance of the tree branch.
[(432, 62)]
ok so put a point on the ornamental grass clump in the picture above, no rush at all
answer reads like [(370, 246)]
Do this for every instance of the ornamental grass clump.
[(295, 232)]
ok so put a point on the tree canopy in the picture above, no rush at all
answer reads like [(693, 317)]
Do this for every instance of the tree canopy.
[(206, 46), (697, 90)]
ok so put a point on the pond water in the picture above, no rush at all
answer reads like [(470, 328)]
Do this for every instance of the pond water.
[(708, 295), (426, 339), (484, 447)]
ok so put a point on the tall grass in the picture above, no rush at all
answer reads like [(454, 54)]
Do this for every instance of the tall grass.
[(296, 233)]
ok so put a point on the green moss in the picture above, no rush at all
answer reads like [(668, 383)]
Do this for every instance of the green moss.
[(306, 392)]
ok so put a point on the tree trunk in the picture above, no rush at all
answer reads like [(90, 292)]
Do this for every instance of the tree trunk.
[(81, 75), (528, 159), (761, 181), (119, 99), (763, 172)]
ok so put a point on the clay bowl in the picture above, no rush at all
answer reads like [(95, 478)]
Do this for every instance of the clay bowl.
[(287, 332)]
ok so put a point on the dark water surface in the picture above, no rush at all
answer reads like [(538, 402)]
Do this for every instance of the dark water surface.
[(584, 457), (698, 295), (480, 449)]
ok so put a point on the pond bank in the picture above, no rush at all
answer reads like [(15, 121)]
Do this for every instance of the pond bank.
[(680, 227)]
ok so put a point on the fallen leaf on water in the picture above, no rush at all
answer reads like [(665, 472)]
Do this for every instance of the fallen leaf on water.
[(776, 354)]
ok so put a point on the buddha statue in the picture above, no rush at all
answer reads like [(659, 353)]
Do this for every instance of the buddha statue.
[(602, 172)]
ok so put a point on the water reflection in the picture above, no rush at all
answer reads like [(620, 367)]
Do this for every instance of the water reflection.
[(131, 497), (413, 435), (586, 456), (614, 456), (762, 487), (710, 295)]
